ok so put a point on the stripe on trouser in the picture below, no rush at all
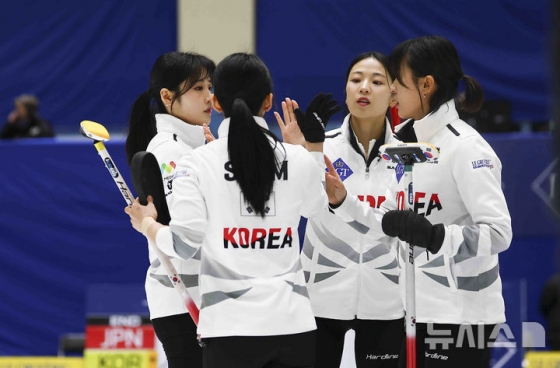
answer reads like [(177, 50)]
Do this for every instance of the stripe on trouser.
[(216, 297), (184, 250), (482, 281)]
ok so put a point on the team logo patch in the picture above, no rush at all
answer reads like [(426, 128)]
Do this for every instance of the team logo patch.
[(482, 163), (399, 171), (168, 167), (342, 169)]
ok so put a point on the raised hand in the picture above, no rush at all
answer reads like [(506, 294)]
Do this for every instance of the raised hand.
[(289, 127), (336, 191), (314, 121), (208, 134)]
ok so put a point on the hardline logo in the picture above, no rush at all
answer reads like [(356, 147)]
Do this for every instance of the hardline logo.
[(381, 356)]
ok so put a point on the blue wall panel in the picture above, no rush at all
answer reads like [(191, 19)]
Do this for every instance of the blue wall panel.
[(83, 59)]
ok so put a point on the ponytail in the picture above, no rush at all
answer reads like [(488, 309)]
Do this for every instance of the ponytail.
[(472, 98), (142, 126), (176, 71), (252, 157)]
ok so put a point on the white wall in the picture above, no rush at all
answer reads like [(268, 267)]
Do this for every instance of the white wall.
[(216, 28)]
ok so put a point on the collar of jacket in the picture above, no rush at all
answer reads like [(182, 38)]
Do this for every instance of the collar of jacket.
[(192, 135), (348, 133), (427, 127), (223, 130)]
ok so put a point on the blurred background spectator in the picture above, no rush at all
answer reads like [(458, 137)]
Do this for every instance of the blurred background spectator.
[(24, 121)]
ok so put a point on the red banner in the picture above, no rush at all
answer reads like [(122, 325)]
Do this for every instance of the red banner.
[(119, 337)]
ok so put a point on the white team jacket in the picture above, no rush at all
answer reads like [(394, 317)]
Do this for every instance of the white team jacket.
[(461, 283), (174, 138), (350, 274), (251, 279)]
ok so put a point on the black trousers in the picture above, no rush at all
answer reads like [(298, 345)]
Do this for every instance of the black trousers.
[(279, 351), (377, 344), (178, 336), (448, 345)]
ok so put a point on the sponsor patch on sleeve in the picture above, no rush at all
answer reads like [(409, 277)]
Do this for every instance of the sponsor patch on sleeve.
[(485, 162), (181, 174)]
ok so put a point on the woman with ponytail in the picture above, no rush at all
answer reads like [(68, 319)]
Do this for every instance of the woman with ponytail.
[(239, 200), (169, 120), (460, 220)]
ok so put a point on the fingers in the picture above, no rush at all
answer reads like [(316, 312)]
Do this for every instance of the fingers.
[(290, 117), (323, 103), (299, 117), (330, 167), (208, 134), (316, 102), (279, 119)]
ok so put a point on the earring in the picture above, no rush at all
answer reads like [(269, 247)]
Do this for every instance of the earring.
[(424, 96)]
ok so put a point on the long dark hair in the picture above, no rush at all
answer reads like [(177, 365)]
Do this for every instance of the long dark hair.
[(241, 84), (436, 56), (169, 71)]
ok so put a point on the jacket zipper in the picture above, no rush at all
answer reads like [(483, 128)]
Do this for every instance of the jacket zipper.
[(361, 256)]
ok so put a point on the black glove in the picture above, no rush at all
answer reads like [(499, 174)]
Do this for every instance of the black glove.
[(414, 229), (312, 124)]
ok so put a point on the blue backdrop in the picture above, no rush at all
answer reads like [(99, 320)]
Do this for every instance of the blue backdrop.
[(83, 59), (308, 45)]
